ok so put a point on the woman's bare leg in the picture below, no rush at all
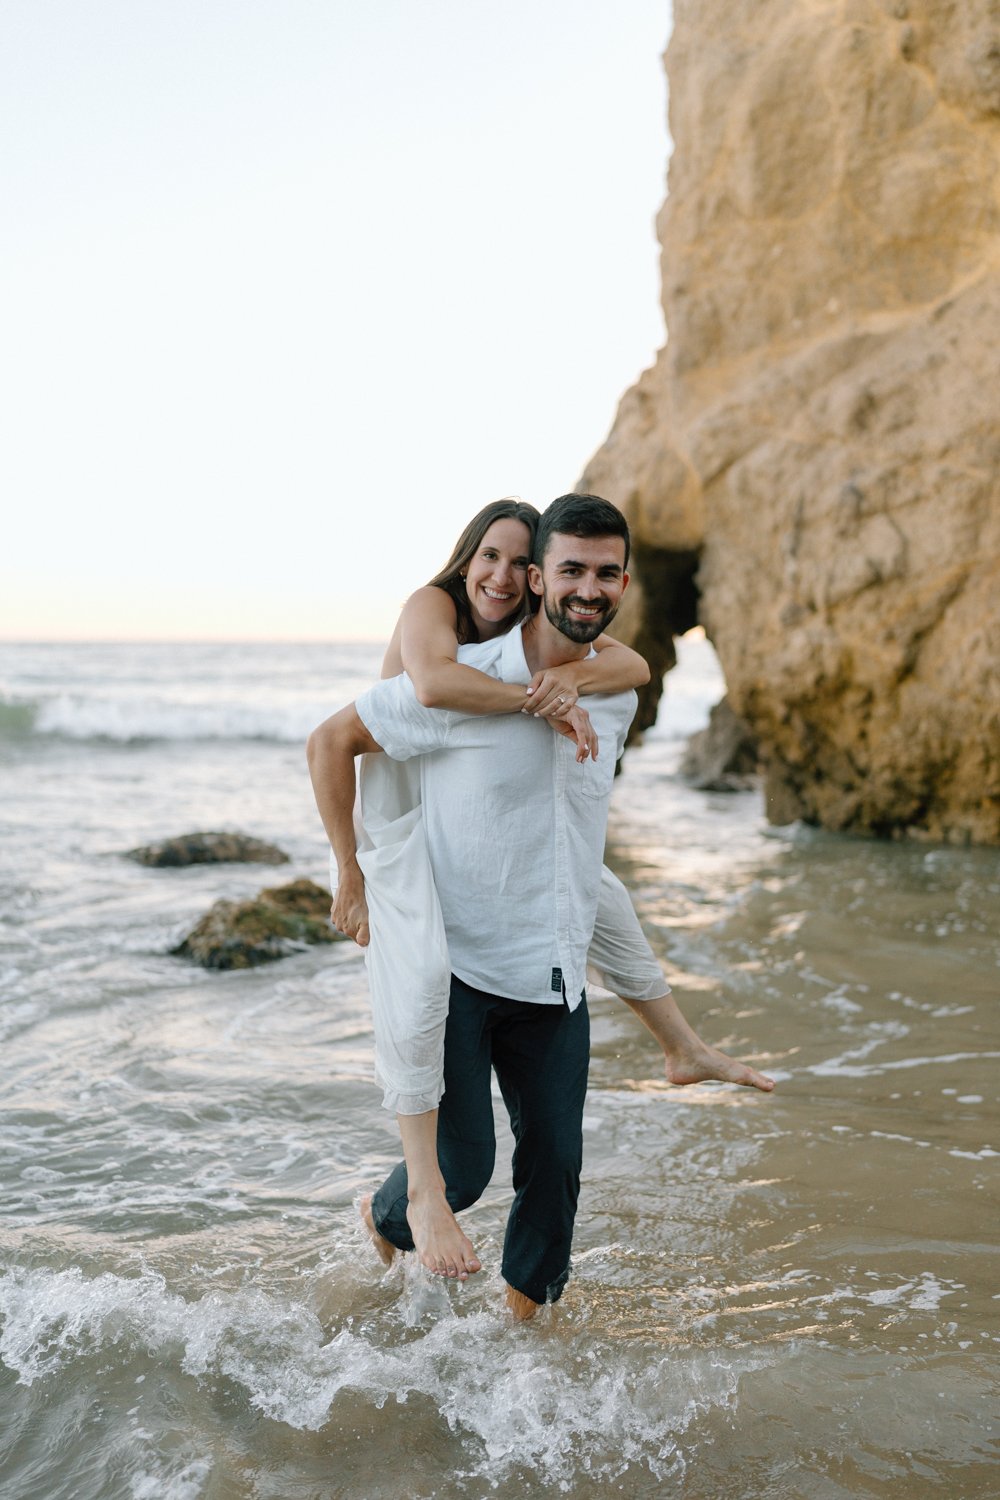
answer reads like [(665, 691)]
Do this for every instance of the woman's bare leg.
[(688, 1059), (437, 1235)]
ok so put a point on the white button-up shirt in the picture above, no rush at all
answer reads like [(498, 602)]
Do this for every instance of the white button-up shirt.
[(515, 828)]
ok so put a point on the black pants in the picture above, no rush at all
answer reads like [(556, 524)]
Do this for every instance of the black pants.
[(540, 1054)]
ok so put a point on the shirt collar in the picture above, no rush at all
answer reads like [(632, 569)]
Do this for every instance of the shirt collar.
[(513, 664)]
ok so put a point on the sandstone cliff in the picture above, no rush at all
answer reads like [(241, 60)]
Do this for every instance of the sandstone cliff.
[(812, 467)]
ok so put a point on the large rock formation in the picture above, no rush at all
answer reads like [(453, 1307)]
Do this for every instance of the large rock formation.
[(813, 464)]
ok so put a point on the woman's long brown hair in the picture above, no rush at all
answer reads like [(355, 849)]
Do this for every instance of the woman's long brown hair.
[(450, 577)]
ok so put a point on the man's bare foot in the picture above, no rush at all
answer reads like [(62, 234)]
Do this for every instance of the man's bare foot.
[(383, 1248), (437, 1235), (699, 1063), (521, 1306)]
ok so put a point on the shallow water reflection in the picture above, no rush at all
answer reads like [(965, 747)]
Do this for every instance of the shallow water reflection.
[(772, 1296)]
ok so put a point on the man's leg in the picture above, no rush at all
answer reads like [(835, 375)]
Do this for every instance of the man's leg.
[(466, 1142), (541, 1055)]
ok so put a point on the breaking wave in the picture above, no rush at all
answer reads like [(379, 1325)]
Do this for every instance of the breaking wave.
[(71, 716), (513, 1401)]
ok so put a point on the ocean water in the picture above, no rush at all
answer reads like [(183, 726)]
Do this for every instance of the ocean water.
[(785, 1295)]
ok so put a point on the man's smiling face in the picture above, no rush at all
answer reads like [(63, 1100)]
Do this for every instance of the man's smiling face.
[(581, 580)]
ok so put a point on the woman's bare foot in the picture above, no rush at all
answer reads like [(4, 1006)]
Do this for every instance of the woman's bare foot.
[(521, 1306), (688, 1058), (699, 1063), (437, 1235), (383, 1248)]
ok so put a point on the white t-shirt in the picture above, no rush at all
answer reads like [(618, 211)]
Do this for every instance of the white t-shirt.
[(515, 828)]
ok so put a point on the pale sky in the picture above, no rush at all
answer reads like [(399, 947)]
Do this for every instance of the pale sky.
[(290, 288)]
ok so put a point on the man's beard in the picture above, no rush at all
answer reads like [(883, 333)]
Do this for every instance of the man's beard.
[(581, 631)]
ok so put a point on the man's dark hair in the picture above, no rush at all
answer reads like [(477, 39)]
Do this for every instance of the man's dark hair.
[(580, 515)]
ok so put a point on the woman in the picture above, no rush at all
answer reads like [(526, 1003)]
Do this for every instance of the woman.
[(480, 593)]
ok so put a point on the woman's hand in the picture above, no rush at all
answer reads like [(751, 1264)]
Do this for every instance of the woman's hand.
[(554, 692), (575, 724), (349, 912)]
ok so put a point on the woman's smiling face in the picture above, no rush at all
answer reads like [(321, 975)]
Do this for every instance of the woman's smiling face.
[(496, 578)]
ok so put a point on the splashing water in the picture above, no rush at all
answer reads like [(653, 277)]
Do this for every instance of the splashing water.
[(771, 1296)]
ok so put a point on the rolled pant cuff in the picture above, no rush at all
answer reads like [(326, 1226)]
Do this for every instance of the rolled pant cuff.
[(389, 1224), (536, 1291)]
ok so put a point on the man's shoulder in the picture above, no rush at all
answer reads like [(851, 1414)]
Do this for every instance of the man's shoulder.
[(612, 713), (477, 651), (620, 704), (487, 656)]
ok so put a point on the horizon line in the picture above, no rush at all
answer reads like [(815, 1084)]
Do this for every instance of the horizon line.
[(192, 640)]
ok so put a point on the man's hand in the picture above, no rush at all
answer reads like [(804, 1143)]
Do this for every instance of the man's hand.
[(553, 692), (349, 912), (575, 725)]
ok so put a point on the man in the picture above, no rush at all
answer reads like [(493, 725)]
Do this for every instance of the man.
[(515, 828)]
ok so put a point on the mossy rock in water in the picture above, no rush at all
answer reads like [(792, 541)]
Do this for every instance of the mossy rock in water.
[(209, 849), (242, 934)]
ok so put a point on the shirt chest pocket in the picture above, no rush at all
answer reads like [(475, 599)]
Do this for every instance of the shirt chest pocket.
[(597, 776)]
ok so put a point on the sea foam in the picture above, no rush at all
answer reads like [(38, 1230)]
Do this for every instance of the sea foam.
[(542, 1398), (73, 716)]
